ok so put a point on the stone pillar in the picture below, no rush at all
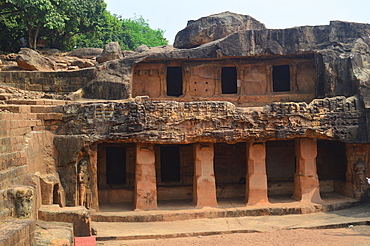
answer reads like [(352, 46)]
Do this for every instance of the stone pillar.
[(306, 181), (145, 178), (204, 193), (256, 180)]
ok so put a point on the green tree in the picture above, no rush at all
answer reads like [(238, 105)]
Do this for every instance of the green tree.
[(85, 16), (11, 32), (38, 14), (108, 29), (66, 24), (136, 31), (129, 33)]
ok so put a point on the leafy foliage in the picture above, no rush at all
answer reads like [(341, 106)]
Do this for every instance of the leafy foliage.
[(138, 32), (129, 33), (66, 24)]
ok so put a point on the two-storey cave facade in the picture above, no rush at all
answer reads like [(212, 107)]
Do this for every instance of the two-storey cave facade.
[(257, 115)]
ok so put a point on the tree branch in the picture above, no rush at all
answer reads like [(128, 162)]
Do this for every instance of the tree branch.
[(78, 33), (11, 12)]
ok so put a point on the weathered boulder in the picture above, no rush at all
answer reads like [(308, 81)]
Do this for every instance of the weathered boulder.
[(142, 48), (82, 63), (112, 51), (85, 52), (31, 60), (213, 27)]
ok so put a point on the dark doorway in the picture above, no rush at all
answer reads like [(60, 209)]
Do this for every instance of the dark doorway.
[(229, 80), (116, 165), (55, 194), (170, 163), (331, 160), (280, 167), (174, 81), (230, 165), (281, 78)]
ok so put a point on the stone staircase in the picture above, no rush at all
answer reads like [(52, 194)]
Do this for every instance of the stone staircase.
[(22, 124)]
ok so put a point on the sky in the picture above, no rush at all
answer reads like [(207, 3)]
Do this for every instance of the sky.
[(172, 16)]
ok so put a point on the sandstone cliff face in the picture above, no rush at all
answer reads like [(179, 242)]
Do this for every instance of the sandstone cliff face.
[(341, 52)]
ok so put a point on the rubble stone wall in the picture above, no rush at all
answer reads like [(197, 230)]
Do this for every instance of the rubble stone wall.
[(56, 82), (27, 158)]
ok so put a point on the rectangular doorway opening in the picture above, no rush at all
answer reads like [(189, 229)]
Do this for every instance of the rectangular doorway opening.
[(281, 78), (170, 163), (280, 167), (174, 81), (230, 165), (229, 80), (116, 165), (331, 163)]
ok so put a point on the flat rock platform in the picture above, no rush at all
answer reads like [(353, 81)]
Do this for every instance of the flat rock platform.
[(181, 219)]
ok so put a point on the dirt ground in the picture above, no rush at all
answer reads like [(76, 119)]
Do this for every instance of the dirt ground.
[(356, 235)]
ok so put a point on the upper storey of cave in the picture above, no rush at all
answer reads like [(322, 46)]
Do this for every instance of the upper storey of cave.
[(240, 61)]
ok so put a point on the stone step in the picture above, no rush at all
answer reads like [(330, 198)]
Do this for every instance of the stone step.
[(109, 231), (13, 173), (12, 159), (78, 216), (11, 182), (12, 144), (36, 102), (53, 233), (17, 232), (225, 209)]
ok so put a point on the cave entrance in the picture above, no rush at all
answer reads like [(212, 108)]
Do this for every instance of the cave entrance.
[(331, 163), (174, 170), (280, 168), (115, 166), (116, 174), (230, 164), (170, 163)]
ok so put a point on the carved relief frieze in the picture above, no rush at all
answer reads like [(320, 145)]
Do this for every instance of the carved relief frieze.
[(161, 121)]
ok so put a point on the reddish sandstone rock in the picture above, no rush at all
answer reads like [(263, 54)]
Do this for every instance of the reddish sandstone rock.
[(31, 60)]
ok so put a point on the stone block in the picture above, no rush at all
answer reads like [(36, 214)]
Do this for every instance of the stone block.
[(17, 232), (53, 233), (79, 216)]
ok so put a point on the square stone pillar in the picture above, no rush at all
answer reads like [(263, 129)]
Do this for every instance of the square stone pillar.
[(204, 187), (306, 181), (256, 180), (145, 178)]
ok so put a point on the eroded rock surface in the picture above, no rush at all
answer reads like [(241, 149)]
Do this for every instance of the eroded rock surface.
[(86, 53), (213, 27), (31, 60), (112, 51)]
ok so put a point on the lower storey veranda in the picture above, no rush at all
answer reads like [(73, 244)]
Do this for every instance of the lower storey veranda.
[(144, 173)]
